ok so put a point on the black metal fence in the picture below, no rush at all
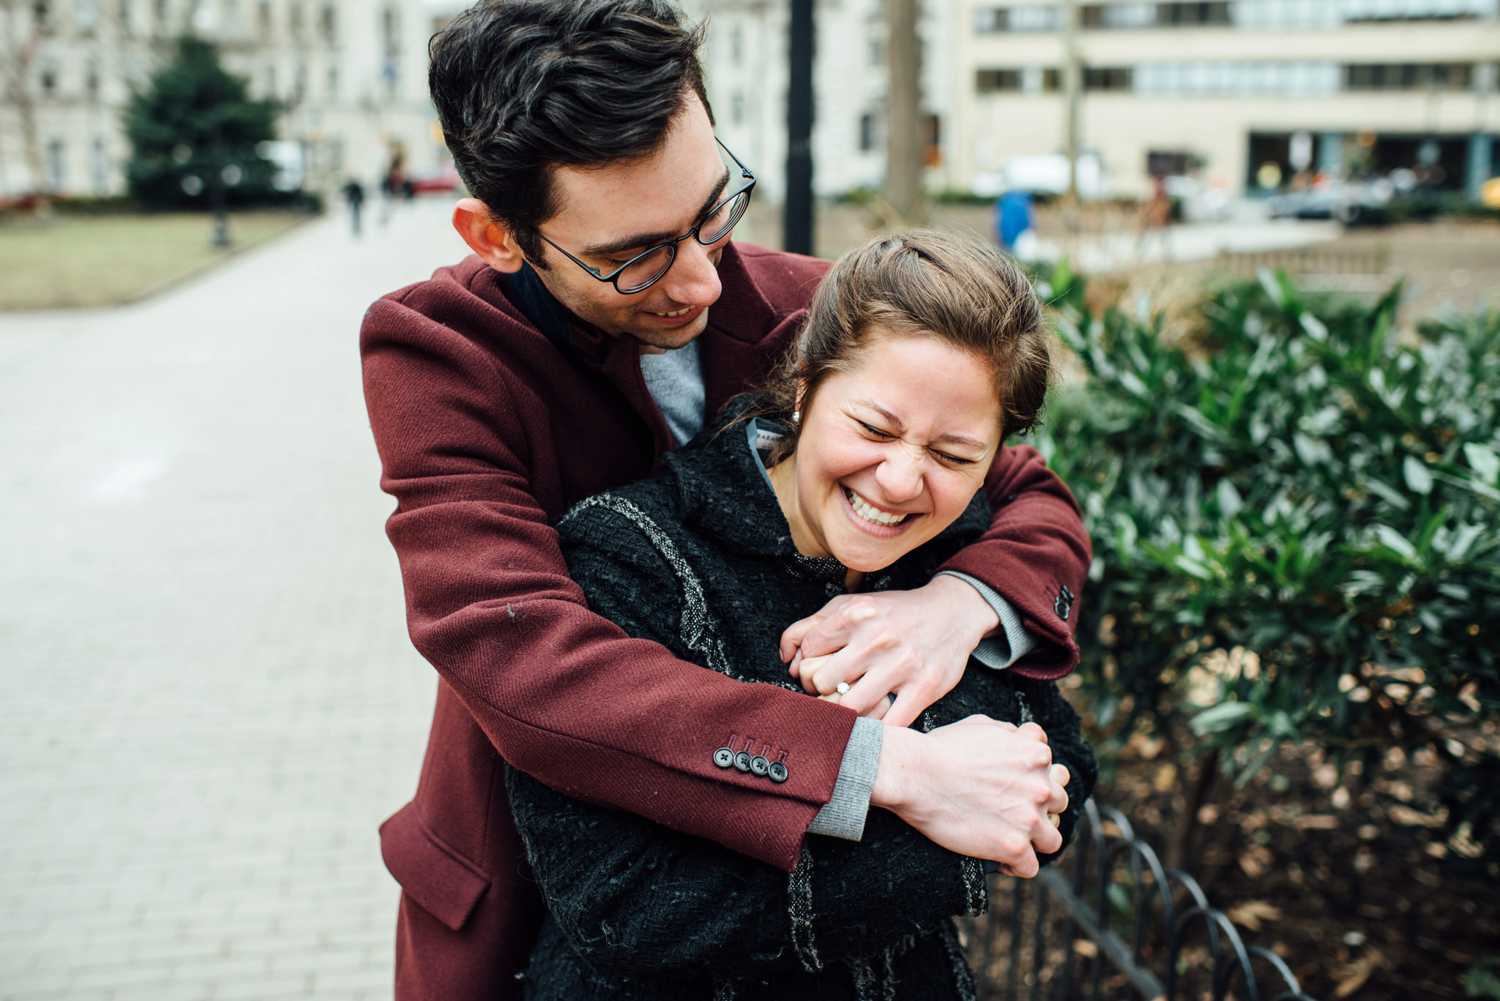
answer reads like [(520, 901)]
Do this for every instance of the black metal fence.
[(1110, 921)]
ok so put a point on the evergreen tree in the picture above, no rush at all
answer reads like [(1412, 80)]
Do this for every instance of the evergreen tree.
[(195, 127)]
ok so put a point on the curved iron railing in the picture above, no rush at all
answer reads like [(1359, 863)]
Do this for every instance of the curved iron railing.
[(1124, 926)]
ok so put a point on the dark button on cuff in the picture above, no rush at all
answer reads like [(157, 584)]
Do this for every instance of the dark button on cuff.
[(1066, 593), (724, 757), (1062, 608), (742, 761), (777, 772), (759, 765)]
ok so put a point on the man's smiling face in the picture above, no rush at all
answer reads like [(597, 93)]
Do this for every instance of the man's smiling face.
[(608, 214)]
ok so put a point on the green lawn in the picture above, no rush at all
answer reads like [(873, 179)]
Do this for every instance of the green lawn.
[(76, 261)]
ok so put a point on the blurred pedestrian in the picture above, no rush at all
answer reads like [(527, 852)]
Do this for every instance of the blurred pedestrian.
[(1156, 219), (393, 182), (354, 197), (1014, 223)]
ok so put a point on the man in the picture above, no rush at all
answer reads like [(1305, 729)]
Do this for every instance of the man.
[(604, 315)]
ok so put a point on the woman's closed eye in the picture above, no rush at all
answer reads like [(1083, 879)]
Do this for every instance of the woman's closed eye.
[(945, 457), (875, 432)]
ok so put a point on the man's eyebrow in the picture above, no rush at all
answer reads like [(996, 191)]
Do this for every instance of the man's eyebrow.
[(643, 240), (957, 439)]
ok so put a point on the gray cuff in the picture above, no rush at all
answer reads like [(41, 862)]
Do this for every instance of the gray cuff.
[(1011, 641), (843, 816)]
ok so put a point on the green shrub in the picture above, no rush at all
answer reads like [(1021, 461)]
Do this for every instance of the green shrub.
[(1294, 515)]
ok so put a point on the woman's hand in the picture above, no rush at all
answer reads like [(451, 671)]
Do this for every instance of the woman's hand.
[(977, 787), (914, 644)]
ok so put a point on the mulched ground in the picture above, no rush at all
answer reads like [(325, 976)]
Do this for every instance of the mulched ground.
[(1354, 880)]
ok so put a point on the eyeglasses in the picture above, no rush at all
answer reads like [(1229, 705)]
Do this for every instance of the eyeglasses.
[(646, 268)]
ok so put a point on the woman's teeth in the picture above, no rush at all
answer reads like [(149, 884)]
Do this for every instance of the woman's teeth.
[(676, 312), (870, 512)]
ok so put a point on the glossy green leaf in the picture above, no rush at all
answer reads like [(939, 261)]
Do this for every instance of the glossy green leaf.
[(1418, 478)]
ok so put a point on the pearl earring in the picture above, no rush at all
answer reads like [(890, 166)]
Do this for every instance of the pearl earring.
[(796, 417)]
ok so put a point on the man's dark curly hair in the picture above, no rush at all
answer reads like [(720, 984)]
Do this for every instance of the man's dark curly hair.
[(522, 86)]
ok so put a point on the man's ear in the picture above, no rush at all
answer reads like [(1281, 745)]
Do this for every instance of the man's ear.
[(487, 236)]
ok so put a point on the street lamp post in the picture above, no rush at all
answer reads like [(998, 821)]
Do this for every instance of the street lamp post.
[(797, 212)]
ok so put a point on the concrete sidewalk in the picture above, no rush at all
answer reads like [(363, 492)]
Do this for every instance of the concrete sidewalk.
[(209, 698)]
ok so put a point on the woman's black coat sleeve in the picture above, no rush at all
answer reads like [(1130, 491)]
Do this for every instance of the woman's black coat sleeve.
[(1065, 737), (638, 898)]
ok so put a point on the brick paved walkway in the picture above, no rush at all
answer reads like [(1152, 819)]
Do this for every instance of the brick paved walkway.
[(209, 701)]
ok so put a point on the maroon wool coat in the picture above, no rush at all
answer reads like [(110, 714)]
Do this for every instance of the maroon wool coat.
[(488, 432)]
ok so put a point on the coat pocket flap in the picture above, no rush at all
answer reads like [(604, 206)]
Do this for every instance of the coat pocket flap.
[(442, 882)]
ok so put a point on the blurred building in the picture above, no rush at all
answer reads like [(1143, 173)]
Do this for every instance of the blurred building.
[(745, 61), (1252, 93), (351, 73)]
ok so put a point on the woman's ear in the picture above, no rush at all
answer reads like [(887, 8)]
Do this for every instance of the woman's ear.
[(487, 236)]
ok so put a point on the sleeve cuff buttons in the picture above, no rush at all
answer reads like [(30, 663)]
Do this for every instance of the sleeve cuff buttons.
[(757, 765)]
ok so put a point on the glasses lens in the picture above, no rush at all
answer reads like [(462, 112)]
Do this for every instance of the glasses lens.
[(645, 269), (723, 218)]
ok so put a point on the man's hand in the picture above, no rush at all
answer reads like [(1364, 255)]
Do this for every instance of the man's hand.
[(911, 643), (977, 787)]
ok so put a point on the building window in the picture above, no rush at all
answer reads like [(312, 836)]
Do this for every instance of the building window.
[(126, 17), (867, 132), (159, 13), (57, 165), (390, 29), (41, 15), (736, 45), (294, 21), (997, 81), (86, 16), (1114, 16), (1368, 12), (1026, 17), (48, 80), (1408, 76), (737, 108), (333, 82), (1107, 78), (99, 166), (1193, 15), (329, 23), (91, 81), (263, 18)]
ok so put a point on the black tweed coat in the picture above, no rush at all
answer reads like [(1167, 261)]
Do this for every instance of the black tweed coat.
[(700, 559)]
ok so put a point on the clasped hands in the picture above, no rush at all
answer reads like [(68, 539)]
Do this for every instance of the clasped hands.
[(978, 787)]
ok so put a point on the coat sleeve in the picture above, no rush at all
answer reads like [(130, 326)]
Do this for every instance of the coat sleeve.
[(1035, 554), (637, 899), (558, 690)]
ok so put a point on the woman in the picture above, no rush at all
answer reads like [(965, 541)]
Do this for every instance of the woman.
[(857, 469)]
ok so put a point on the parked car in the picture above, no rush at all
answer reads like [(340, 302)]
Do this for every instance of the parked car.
[(1043, 174), (445, 180), (1350, 202)]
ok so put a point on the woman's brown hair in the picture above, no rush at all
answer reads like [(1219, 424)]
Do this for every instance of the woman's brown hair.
[(921, 282)]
